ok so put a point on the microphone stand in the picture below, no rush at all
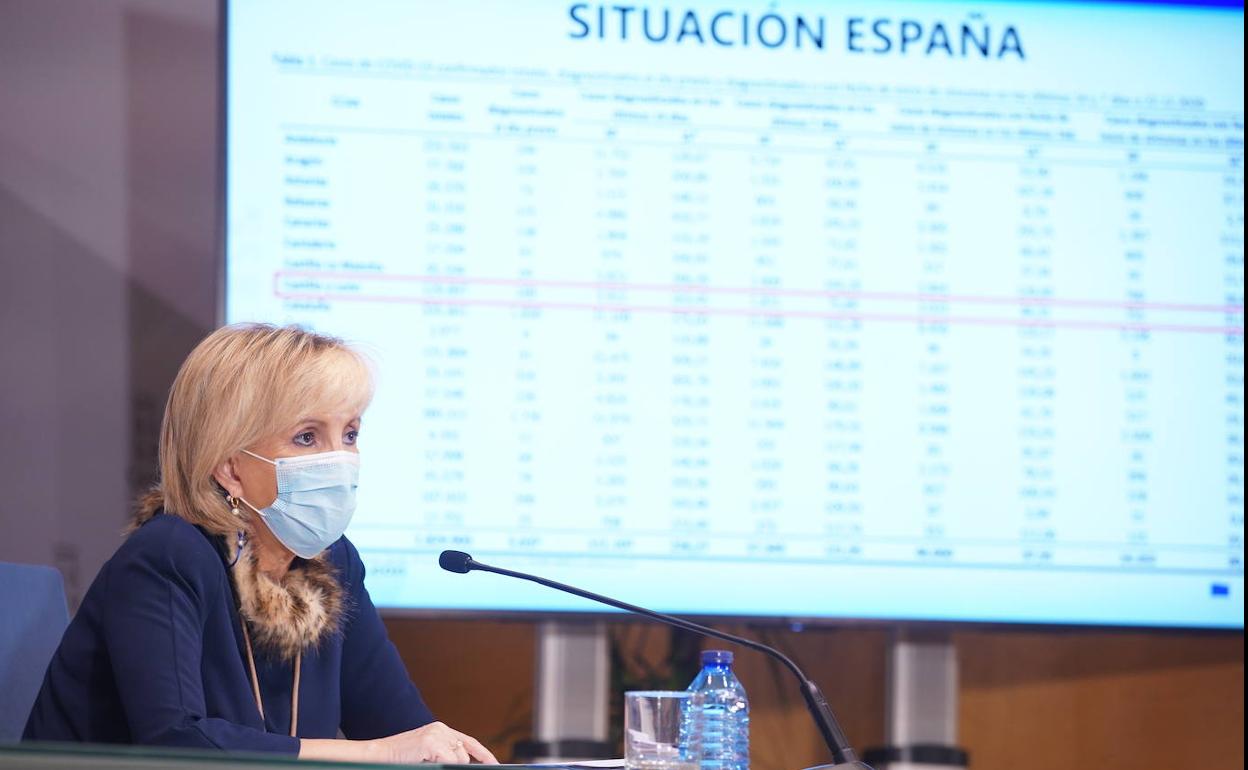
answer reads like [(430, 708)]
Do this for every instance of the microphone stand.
[(843, 755)]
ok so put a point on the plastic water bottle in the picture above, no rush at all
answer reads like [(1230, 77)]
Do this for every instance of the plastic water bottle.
[(720, 705)]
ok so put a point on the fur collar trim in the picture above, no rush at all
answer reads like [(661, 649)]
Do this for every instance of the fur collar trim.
[(292, 616)]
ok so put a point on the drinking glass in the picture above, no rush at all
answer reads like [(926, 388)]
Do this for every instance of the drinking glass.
[(660, 732)]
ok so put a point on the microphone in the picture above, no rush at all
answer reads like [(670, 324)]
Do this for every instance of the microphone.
[(844, 756)]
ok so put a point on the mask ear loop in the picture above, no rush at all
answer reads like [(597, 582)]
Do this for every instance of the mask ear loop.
[(258, 457)]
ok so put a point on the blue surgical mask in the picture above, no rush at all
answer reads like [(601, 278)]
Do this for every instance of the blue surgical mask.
[(315, 499)]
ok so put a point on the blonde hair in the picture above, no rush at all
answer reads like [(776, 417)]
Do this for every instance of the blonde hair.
[(242, 384)]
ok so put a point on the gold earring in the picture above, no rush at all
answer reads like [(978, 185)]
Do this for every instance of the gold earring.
[(234, 506)]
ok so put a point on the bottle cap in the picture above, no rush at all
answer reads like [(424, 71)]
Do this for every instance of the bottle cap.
[(716, 658)]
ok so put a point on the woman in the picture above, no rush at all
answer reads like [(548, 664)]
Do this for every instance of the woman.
[(235, 616)]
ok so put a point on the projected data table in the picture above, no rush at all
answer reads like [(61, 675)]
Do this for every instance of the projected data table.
[(750, 320)]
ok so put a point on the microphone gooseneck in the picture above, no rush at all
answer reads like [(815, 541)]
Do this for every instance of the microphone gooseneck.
[(462, 563)]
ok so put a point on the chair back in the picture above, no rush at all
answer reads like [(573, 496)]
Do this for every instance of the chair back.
[(33, 617)]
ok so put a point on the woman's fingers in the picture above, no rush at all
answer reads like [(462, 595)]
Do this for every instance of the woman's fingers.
[(476, 750), (435, 742), (443, 755), (455, 752)]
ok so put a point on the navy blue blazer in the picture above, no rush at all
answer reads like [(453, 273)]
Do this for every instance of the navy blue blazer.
[(155, 656)]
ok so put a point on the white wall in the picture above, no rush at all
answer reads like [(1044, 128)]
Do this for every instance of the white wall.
[(107, 257)]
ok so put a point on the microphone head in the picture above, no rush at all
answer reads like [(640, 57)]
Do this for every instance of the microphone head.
[(455, 561)]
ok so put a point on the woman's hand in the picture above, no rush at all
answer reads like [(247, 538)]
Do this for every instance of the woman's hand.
[(435, 742)]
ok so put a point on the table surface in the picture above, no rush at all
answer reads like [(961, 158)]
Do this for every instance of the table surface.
[(76, 756)]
